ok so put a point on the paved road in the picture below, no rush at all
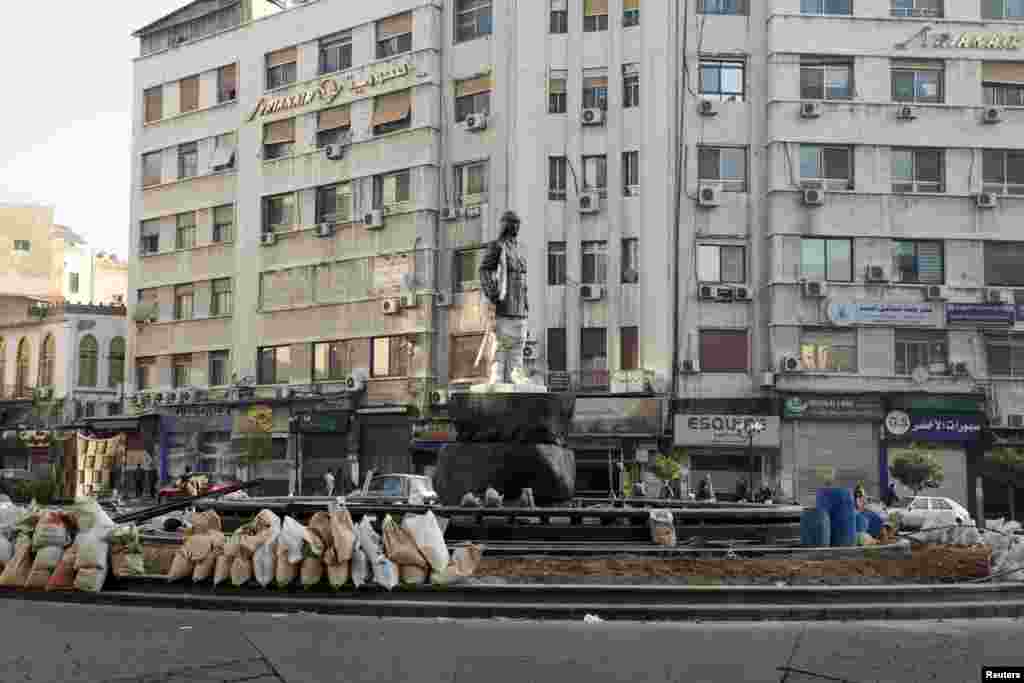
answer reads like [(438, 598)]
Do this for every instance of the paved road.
[(42, 642)]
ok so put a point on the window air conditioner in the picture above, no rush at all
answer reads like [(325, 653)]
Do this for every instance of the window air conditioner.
[(391, 305), (355, 382), (324, 229), (476, 122), (992, 115), (374, 219), (742, 294), (335, 152), (450, 213), (810, 110), (268, 239), (1015, 420), (987, 200), (960, 369), (997, 296), (473, 211), (935, 293), (408, 300), (185, 397), (791, 363), (592, 292), (709, 195), (442, 298), (690, 366), (724, 294), (708, 108), (530, 351), (906, 113), (875, 273), (705, 292), (592, 116), (815, 289), (814, 196), (590, 202), (439, 397)]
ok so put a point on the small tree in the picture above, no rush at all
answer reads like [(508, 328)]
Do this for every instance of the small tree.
[(917, 469)]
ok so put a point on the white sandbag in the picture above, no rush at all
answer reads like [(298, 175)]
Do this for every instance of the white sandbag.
[(291, 537), (385, 573), (492, 499), (360, 572), (429, 538), (1010, 567), (369, 540), (263, 559), (92, 552), (91, 515), (90, 580), (662, 527), (47, 558), (6, 550)]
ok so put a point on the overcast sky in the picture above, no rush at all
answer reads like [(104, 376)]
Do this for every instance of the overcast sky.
[(65, 137)]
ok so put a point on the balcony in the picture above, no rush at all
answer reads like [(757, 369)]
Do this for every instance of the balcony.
[(602, 382), (16, 392)]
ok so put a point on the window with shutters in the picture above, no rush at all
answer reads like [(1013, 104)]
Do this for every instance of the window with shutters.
[(736, 7), (721, 263), (916, 8), (1002, 9), (914, 349), (334, 126), (224, 150), (116, 362), (593, 359), (630, 261), (595, 15), (336, 359), (826, 258), (472, 19), (595, 89), (47, 361), (828, 350), (219, 373), (556, 263), (831, 167), (88, 361), (279, 212), (826, 7), (556, 349), (391, 188), (220, 297), (464, 349), (467, 269), (334, 203), (335, 53), (630, 13), (185, 232), (557, 170), (1002, 171), (391, 357), (23, 245), (559, 17), (394, 35), (595, 174), (917, 170), (725, 167), (918, 81), (629, 348), (73, 283), (1005, 353), (471, 183), (724, 351), (184, 302), (392, 112), (224, 223), (227, 83), (630, 85), (181, 375), (1003, 264), (144, 368), (275, 365), (472, 96), (149, 237), (188, 160), (278, 139), (188, 93), (595, 262), (631, 173), (557, 85), (153, 104), (826, 78), (282, 67), (722, 80)]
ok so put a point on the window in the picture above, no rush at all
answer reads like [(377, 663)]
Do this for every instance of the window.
[(556, 351), (278, 139), (595, 89), (88, 356), (920, 349), (392, 112), (391, 189), (218, 375), (826, 6), (149, 237), (152, 169), (462, 357), (471, 183), (3, 361), (336, 359), (47, 361), (335, 53), (556, 263), (21, 364), (630, 173), (724, 351), (89, 409), (391, 357), (629, 347), (220, 297), (73, 283), (334, 204), (916, 8), (153, 104), (185, 235), (467, 269), (279, 212), (472, 19), (275, 365), (722, 80), (630, 261), (394, 35), (917, 170), (472, 96), (630, 85), (559, 22), (117, 354), (1003, 171), (184, 302), (227, 83), (593, 358), (1003, 264), (826, 78), (721, 263), (557, 169), (282, 67), (723, 166), (1005, 355), (188, 160), (917, 81), (22, 245), (828, 259), (556, 91), (1003, 94), (595, 173), (188, 93), (1002, 9), (595, 15), (181, 365), (830, 166), (142, 373), (595, 263), (224, 223), (334, 126), (223, 153), (722, 7), (630, 13), (918, 261), (829, 350)]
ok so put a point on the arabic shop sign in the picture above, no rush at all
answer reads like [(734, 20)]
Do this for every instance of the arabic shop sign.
[(867, 408), (969, 40), (327, 91), (981, 314), (899, 424), (861, 313)]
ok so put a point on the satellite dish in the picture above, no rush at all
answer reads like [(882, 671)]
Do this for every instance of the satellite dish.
[(920, 374)]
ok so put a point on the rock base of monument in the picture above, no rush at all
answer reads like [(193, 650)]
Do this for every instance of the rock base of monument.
[(508, 389), (548, 469)]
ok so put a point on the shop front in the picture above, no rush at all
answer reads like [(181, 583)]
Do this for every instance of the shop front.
[(324, 442), (609, 434)]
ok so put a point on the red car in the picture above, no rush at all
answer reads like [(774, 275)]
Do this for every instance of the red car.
[(207, 484)]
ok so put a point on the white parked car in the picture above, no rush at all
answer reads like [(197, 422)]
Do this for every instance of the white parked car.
[(934, 511)]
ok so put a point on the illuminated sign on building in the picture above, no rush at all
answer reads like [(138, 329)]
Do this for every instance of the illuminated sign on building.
[(978, 40), (327, 91)]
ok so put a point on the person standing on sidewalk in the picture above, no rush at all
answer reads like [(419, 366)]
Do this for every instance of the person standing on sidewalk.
[(329, 482), (139, 480)]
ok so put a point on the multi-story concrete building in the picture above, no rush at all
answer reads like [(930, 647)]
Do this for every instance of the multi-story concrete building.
[(794, 210)]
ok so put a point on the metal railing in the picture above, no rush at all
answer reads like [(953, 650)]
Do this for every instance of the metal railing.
[(600, 382)]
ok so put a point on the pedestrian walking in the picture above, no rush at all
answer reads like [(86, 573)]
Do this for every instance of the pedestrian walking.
[(329, 482), (139, 480), (705, 491)]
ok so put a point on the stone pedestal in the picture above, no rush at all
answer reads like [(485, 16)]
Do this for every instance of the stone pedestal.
[(548, 469)]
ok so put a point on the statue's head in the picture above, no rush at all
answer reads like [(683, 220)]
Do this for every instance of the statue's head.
[(509, 225)]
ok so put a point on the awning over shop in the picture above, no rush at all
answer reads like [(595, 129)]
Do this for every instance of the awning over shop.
[(432, 446)]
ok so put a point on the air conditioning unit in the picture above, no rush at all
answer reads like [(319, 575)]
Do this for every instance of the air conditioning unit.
[(815, 289), (145, 399), (814, 196), (476, 122), (992, 115), (906, 113), (742, 294), (987, 200), (355, 382), (408, 300), (709, 195), (724, 294), (590, 202), (691, 366), (530, 351), (185, 397), (450, 213), (374, 219), (810, 110), (935, 293), (391, 305), (791, 363), (959, 369), (708, 108), (767, 380), (1015, 420), (591, 292), (705, 292), (442, 298), (998, 296), (875, 273), (268, 239), (592, 116), (439, 397), (473, 211), (324, 229)]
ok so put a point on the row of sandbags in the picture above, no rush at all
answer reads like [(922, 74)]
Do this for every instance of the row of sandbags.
[(1007, 547)]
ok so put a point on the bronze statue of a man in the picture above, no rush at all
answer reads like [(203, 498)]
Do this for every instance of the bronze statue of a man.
[(503, 280)]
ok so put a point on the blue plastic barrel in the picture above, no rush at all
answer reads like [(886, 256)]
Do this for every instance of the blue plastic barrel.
[(842, 514), (815, 530), (875, 522), (862, 522)]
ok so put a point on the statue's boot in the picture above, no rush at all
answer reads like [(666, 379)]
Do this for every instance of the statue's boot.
[(519, 376), (497, 372)]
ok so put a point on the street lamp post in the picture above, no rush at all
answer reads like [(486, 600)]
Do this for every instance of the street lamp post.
[(750, 429)]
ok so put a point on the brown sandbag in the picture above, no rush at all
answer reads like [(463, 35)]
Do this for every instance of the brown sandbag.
[(181, 567), (17, 570), (37, 579), (198, 548), (63, 577), (222, 569), (241, 570), (339, 574), (320, 523), (312, 571), (203, 522), (465, 561), (400, 546), (413, 574), (250, 544), (284, 571), (204, 568), (343, 535)]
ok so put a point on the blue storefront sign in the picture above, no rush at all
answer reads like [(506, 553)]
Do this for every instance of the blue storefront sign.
[(900, 425), (983, 314)]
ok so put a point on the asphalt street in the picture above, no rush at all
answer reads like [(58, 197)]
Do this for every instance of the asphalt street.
[(41, 642)]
